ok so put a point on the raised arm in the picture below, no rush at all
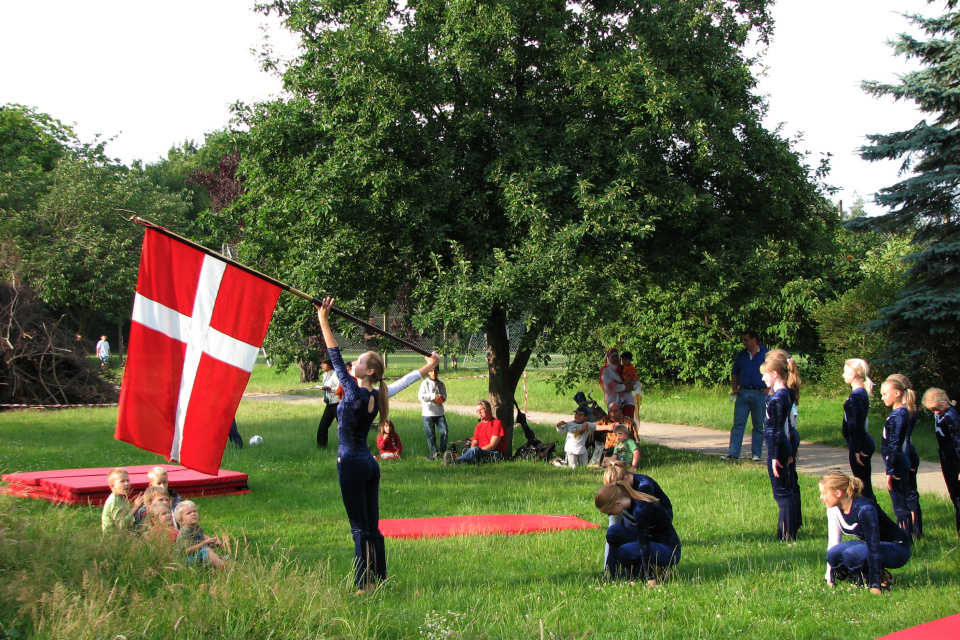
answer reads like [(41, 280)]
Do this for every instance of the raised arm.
[(323, 313), (432, 360)]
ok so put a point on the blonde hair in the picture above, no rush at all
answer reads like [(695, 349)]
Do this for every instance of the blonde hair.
[(616, 472), (938, 397), (153, 513), (375, 364), (839, 481), (861, 371), (157, 474), (608, 495), (183, 506), (902, 384), (116, 473), (152, 493), (786, 367)]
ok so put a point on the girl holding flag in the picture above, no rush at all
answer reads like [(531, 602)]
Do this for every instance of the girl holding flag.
[(357, 468)]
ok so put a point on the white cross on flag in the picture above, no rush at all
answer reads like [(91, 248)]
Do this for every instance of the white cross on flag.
[(198, 323)]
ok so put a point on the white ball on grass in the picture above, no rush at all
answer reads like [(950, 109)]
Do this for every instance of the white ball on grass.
[(255, 440)]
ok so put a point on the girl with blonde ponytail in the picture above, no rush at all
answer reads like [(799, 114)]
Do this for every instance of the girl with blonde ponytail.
[(947, 428), (897, 394), (645, 544), (880, 545), (357, 468), (780, 374), (856, 424)]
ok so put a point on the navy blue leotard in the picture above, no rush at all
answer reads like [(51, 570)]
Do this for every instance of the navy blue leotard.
[(856, 433)]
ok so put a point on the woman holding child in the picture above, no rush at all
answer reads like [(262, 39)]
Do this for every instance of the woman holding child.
[(357, 468)]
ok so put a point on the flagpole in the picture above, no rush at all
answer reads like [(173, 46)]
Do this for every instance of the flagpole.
[(306, 296)]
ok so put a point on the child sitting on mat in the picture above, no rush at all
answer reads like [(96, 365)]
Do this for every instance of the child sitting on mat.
[(152, 496), (577, 432), (118, 511), (158, 478), (388, 441), (191, 538), (159, 523)]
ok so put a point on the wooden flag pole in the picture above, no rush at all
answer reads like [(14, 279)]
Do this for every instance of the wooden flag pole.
[(306, 296)]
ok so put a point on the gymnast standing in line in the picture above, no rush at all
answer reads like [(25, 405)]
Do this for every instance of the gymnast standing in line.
[(947, 428), (780, 374), (901, 399), (913, 498), (856, 422), (357, 468), (881, 544)]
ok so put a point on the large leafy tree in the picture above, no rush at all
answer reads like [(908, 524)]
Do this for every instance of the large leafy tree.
[(531, 160), (923, 323)]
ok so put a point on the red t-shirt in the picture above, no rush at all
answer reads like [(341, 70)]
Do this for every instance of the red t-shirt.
[(485, 431)]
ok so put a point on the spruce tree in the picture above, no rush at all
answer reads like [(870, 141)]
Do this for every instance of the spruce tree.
[(924, 321)]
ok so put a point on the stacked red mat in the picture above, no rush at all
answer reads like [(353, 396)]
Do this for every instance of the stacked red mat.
[(89, 486)]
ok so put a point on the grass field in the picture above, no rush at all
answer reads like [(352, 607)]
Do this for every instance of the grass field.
[(291, 567)]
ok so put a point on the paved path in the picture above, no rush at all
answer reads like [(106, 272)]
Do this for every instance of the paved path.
[(815, 459)]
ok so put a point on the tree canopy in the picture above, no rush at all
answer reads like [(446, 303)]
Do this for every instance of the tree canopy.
[(923, 322), (569, 165)]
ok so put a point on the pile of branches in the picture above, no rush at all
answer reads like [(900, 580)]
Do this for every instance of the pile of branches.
[(40, 361)]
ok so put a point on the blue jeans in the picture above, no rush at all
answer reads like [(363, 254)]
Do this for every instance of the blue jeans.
[(750, 403), (432, 424), (476, 455), (360, 488)]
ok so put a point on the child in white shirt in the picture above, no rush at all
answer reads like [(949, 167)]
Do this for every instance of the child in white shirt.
[(577, 433)]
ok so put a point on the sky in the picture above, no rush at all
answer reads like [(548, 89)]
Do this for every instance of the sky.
[(151, 75)]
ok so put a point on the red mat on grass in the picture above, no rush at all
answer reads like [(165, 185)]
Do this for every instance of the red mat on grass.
[(89, 486), (943, 629), (479, 525)]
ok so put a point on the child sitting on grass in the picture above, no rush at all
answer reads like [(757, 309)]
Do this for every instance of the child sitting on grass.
[(191, 539), (118, 511), (577, 432), (159, 523), (152, 496), (626, 449), (388, 442), (158, 478)]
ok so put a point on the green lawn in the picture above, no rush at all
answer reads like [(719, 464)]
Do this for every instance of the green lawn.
[(291, 575)]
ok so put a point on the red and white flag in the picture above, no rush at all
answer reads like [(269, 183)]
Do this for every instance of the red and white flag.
[(198, 323)]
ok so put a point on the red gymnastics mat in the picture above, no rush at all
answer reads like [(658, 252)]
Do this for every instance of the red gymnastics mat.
[(943, 629), (508, 525), (89, 486)]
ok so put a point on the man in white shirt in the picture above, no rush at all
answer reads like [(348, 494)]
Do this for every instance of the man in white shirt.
[(432, 395), (329, 384), (103, 351)]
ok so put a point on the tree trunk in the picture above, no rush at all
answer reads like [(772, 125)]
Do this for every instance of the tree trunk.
[(504, 375)]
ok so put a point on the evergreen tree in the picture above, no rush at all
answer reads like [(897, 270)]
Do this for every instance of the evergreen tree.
[(923, 321)]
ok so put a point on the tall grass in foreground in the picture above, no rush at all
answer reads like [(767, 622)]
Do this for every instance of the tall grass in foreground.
[(291, 567)]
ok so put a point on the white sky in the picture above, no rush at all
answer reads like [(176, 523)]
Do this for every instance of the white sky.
[(154, 74)]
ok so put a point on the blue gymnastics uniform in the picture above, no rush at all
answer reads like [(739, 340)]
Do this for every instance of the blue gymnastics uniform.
[(649, 486), (947, 429), (776, 434), (794, 451), (645, 541), (897, 463), (359, 474), (913, 501), (881, 543), (856, 434)]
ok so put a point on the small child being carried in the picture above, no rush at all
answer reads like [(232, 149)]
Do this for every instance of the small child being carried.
[(388, 442), (191, 539), (577, 432)]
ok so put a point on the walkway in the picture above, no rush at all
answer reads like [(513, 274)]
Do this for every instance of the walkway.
[(815, 459)]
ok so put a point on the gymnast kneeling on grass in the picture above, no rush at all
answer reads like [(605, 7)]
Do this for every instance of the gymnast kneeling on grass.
[(646, 544), (881, 544)]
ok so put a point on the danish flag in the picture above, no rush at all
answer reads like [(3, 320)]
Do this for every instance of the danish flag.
[(198, 323)]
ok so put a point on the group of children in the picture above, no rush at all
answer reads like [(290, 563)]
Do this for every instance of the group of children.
[(159, 514)]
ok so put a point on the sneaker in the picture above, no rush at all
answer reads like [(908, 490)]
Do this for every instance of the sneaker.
[(729, 457), (449, 458), (755, 458)]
